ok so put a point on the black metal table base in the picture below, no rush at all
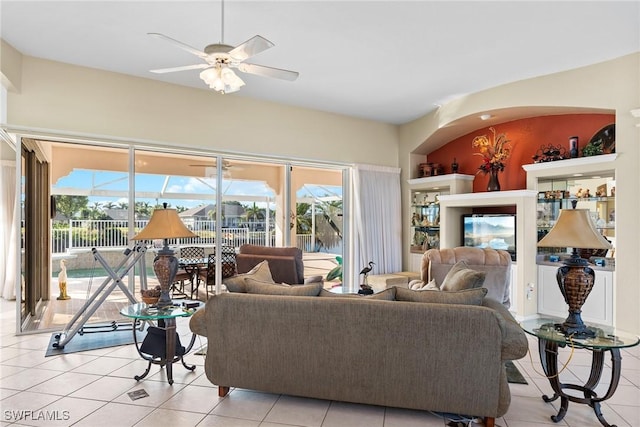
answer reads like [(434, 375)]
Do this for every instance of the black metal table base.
[(549, 357), (169, 325)]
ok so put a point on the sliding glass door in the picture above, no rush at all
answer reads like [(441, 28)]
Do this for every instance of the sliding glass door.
[(103, 194), (36, 233), (317, 205)]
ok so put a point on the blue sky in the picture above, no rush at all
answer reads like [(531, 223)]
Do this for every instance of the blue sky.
[(118, 181)]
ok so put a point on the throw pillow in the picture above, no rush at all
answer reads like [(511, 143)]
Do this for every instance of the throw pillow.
[(415, 284), (386, 295), (420, 286), (254, 286), (466, 297), (260, 272), (461, 277)]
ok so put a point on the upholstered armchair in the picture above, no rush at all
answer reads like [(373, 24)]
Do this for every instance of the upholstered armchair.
[(436, 263), (285, 263)]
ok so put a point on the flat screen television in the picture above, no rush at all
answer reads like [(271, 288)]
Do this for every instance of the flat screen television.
[(497, 231)]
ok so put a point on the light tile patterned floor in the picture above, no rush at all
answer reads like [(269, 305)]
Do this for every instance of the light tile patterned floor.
[(90, 389)]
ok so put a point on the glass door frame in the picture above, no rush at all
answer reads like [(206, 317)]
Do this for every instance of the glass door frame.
[(132, 146)]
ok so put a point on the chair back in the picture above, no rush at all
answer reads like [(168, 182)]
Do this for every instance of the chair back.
[(192, 253), (285, 263), (228, 263)]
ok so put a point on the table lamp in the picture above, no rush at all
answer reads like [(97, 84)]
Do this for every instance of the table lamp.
[(164, 224), (575, 229)]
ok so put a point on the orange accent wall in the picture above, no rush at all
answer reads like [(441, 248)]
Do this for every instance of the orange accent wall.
[(526, 136)]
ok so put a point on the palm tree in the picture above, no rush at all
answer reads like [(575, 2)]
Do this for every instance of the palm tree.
[(143, 209), (253, 213), (329, 223), (303, 218), (95, 211), (71, 206)]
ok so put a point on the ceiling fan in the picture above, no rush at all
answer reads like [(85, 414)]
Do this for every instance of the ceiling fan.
[(220, 58), (226, 165), (210, 170)]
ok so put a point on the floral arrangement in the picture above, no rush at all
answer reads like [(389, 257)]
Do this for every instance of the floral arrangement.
[(494, 151)]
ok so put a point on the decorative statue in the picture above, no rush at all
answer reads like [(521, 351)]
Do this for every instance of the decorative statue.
[(365, 289), (365, 271), (62, 280)]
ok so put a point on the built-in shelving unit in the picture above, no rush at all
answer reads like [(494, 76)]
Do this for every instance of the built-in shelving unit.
[(557, 184), (424, 223)]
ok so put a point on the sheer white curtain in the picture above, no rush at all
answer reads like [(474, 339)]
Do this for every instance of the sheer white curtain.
[(8, 234), (377, 219)]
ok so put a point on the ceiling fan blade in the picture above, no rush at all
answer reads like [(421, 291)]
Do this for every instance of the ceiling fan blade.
[(181, 45), (183, 68), (251, 47), (261, 70)]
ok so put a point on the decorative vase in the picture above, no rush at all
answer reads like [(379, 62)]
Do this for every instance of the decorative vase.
[(494, 183)]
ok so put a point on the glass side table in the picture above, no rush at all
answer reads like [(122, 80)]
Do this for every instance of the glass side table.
[(166, 320), (607, 339)]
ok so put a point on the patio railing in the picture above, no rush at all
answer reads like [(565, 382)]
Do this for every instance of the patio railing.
[(87, 234)]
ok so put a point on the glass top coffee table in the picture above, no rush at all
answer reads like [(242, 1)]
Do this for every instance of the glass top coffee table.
[(161, 340), (607, 339)]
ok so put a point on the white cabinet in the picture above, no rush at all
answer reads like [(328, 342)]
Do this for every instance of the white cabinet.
[(597, 309)]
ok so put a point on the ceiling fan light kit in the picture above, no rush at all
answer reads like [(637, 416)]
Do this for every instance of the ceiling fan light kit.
[(220, 58), (222, 80)]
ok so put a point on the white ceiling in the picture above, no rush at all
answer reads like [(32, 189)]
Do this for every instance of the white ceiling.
[(390, 61)]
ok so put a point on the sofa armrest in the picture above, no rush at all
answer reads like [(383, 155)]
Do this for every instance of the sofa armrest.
[(514, 340), (313, 279), (198, 322)]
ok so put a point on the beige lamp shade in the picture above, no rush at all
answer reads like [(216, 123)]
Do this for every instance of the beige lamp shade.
[(574, 229), (164, 224)]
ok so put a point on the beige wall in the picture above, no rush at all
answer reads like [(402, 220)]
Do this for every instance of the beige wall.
[(67, 98), (613, 85), (10, 66)]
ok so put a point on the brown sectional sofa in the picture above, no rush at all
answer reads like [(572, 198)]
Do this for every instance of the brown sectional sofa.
[(371, 350)]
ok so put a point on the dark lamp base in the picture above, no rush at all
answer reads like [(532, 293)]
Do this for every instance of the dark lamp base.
[(575, 280), (165, 266), (574, 325), (577, 332), (164, 300)]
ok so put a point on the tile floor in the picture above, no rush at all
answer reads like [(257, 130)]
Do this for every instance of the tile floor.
[(90, 389)]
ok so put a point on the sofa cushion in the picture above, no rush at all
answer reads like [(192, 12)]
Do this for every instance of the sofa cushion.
[(254, 286), (386, 295), (465, 297), (259, 272), (461, 277)]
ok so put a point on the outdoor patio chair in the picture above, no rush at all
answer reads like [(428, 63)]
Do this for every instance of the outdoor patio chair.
[(228, 263), (190, 259)]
